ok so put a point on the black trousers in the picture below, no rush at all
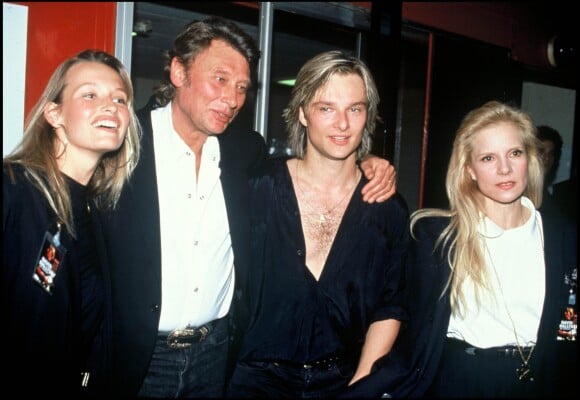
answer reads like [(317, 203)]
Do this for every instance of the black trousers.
[(468, 372), (279, 379)]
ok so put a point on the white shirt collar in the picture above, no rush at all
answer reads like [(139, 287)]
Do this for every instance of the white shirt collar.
[(489, 229)]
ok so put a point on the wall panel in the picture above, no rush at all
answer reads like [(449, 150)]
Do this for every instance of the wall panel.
[(57, 30)]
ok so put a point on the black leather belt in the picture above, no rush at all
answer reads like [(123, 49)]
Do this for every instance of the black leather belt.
[(324, 363), (182, 338), (501, 351)]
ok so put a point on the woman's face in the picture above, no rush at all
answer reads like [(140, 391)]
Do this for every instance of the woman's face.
[(499, 163), (93, 116)]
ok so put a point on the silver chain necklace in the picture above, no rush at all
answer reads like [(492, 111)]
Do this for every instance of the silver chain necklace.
[(325, 214), (523, 372)]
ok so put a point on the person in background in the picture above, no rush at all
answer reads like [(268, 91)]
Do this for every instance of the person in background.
[(80, 144), (565, 195), (551, 151), (326, 269), (487, 279), (178, 242)]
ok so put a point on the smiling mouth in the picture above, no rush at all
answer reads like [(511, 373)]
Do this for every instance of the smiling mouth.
[(106, 124), (227, 118), (339, 140)]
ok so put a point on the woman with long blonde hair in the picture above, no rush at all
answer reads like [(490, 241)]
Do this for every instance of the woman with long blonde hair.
[(80, 145), (488, 278)]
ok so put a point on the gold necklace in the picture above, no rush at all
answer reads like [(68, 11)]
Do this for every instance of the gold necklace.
[(524, 370), (324, 215)]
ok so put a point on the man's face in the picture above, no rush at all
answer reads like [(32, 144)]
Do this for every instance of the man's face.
[(335, 118), (211, 92), (548, 154)]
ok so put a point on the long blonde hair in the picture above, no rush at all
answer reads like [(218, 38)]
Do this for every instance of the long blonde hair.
[(465, 255), (36, 152)]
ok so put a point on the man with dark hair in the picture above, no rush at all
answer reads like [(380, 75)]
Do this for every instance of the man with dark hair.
[(182, 222), (551, 151), (566, 195)]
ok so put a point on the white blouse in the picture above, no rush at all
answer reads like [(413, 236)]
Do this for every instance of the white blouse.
[(515, 258)]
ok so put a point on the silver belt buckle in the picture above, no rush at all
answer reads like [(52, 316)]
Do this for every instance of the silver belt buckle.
[(175, 336)]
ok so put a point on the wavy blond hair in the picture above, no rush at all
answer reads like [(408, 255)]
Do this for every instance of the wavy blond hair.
[(465, 255), (36, 152)]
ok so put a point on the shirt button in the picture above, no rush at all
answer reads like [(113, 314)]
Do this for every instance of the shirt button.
[(155, 307), (201, 197), (195, 290), (300, 252), (195, 242)]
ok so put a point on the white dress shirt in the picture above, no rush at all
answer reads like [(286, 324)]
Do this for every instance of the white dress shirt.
[(518, 287), (196, 251)]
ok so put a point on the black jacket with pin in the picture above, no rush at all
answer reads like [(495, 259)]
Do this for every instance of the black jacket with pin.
[(48, 337), (408, 370), (133, 241)]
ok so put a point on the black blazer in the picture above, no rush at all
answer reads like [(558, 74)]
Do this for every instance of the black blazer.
[(408, 370), (133, 246), (49, 338)]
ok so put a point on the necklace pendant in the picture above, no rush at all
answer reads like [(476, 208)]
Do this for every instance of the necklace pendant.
[(524, 373), (322, 219)]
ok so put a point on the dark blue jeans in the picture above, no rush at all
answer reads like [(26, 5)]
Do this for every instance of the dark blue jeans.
[(265, 379), (195, 371)]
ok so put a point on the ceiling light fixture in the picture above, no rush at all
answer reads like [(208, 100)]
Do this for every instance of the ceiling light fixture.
[(287, 82), (142, 28)]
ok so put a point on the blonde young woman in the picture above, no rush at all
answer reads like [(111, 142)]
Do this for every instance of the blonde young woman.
[(79, 147), (487, 279)]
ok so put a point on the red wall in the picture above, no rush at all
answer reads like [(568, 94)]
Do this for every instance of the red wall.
[(517, 26), (58, 30), (512, 25)]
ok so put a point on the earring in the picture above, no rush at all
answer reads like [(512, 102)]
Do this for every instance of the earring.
[(64, 140)]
